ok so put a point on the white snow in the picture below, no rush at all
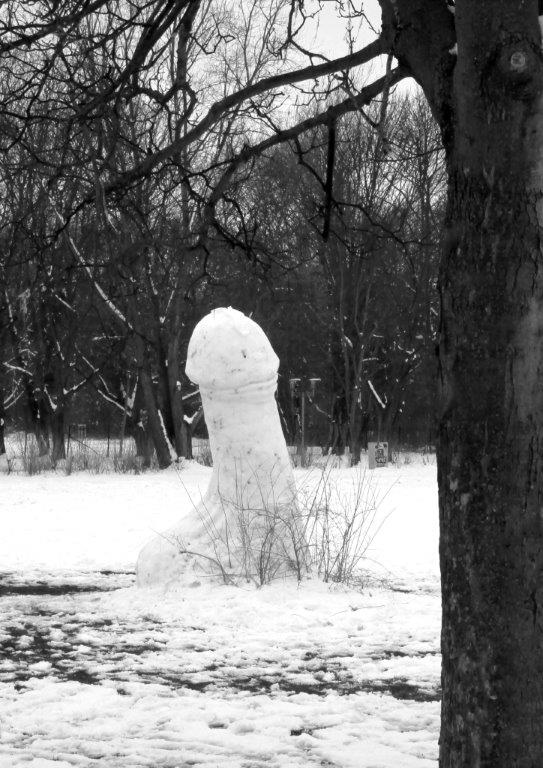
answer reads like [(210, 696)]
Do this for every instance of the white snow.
[(17, 368), (190, 419), (59, 298), (232, 361), (374, 391), (52, 405), (283, 676), (227, 350), (171, 449)]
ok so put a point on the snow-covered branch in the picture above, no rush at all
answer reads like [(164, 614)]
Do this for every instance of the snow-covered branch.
[(79, 258), (383, 405)]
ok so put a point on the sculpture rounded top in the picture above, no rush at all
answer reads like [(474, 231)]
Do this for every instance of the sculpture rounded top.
[(228, 350)]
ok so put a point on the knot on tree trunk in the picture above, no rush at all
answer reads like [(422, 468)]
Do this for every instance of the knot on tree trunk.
[(515, 70)]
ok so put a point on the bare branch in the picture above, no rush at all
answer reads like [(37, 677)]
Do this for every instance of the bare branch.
[(220, 108)]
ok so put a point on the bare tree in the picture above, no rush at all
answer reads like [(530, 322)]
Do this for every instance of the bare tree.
[(479, 66), (373, 197)]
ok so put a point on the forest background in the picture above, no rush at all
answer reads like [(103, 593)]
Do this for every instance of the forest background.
[(151, 172)]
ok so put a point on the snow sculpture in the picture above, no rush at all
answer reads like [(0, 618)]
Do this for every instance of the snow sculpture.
[(245, 525)]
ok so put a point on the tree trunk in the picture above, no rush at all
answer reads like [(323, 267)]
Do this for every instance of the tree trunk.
[(490, 474), (337, 438), (36, 419), (58, 451), (41, 433), (491, 431), (388, 430), (355, 434), (163, 397), (155, 422), (182, 445), (141, 439), (2, 423), (186, 441), (148, 397)]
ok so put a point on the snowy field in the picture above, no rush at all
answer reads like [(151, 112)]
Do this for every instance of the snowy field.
[(94, 672)]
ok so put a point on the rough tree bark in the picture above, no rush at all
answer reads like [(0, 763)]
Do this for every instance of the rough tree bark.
[(155, 422), (57, 422), (491, 435), (489, 103), (2, 423)]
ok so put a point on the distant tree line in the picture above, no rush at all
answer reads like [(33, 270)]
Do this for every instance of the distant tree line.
[(148, 175)]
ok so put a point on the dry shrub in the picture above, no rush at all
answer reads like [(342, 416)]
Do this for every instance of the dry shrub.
[(326, 531)]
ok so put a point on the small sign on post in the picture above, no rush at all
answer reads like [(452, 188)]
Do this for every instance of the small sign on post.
[(377, 455)]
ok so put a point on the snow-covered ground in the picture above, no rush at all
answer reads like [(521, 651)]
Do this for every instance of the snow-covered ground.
[(96, 672)]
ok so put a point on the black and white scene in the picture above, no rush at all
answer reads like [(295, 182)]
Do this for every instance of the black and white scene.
[(271, 384)]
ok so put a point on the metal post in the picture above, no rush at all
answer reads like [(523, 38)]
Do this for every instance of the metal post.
[(302, 388)]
